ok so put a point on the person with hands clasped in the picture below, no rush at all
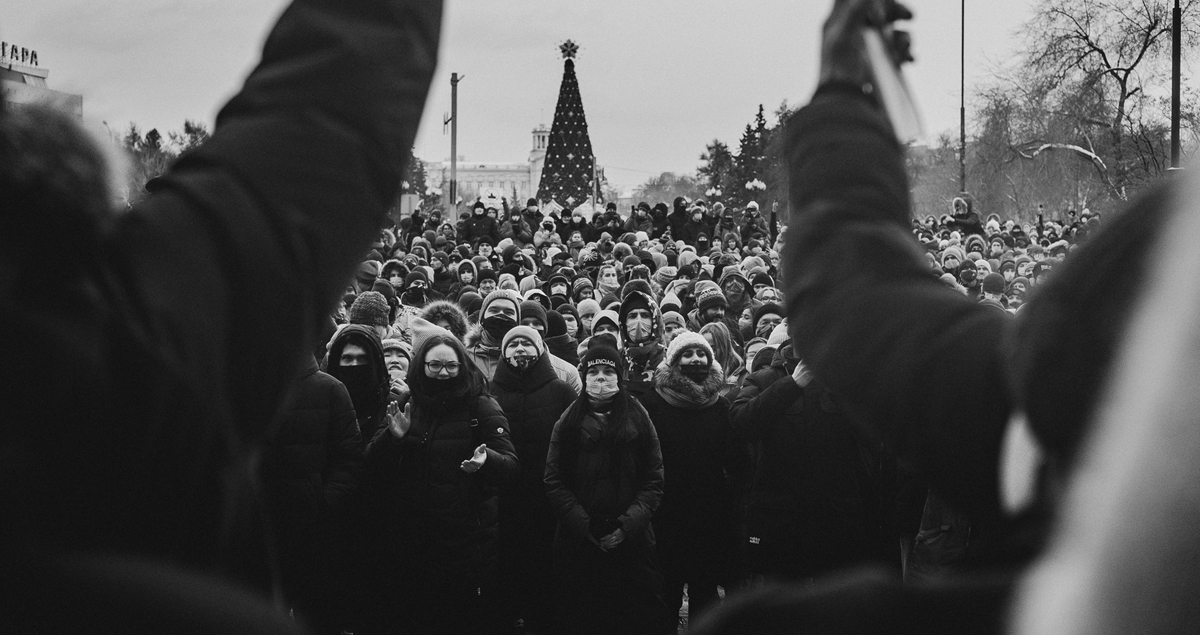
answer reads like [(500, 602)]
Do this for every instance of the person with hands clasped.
[(604, 478), (434, 473)]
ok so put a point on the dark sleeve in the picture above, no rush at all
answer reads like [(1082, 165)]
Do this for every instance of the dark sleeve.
[(755, 408), (916, 363), (254, 234), (501, 466), (570, 513), (345, 448), (650, 488), (773, 228)]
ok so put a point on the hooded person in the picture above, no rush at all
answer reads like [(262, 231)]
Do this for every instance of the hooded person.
[(570, 316), (558, 288), (416, 291), (696, 524), (642, 333), (738, 292), (558, 340), (356, 359), (587, 314), (466, 274), (604, 479), (449, 316), (532, 397)]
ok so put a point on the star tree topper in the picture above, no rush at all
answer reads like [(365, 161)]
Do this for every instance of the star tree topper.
[(569, 49)]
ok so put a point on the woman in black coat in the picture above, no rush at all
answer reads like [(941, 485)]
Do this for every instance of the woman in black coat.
[(708, 467), (604, 478), (435, 471), (533, 398)]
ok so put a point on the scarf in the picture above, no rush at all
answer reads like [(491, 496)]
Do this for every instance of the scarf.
[(681, 392)]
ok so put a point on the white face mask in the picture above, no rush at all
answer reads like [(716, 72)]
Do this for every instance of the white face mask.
[(639, 328), (601, 387)]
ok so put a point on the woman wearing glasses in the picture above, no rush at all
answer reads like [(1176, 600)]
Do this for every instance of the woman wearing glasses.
[(437, 467)]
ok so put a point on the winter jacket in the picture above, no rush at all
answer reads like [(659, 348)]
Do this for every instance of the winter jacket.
[(480, 226), (312, 459), (564, 347), (546, 237), (635, 224), (707, 465), (487, 357), (822, 495), (693, 230), (754, 223), (532, 402), (592, 475), (162, 369), (436, 515), (520, 233)]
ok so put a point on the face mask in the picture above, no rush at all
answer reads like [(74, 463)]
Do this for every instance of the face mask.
[(558, 289), (764, 331), (466, 277), (695, 372), (572, 327), (479, 212), (497, 326), (639, 329), (601, 388), (697, 217), (520, 362)]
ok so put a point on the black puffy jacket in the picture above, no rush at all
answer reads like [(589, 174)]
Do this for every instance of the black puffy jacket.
[(822, 496), (311, 461), (437, 514)]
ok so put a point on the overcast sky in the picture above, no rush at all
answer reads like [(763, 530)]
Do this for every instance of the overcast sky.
[(659, 79)]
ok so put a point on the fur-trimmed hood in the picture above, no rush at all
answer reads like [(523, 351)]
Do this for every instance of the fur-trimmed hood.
[(451, 313)]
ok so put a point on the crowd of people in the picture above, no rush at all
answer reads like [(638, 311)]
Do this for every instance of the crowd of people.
[(560, 434), (520, 422)]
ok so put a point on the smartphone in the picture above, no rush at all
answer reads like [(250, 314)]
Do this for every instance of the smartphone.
[(890, 85)]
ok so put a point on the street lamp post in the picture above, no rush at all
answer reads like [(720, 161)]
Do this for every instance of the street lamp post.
[(962, 104), (1176, 30)]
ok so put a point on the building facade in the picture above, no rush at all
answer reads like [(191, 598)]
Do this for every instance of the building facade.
[(517, 182), (23, 82)]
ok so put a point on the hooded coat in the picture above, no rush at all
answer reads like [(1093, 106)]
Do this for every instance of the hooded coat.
[(370, 394)]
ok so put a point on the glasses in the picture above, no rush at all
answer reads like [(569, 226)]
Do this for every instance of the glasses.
[(436, 367)]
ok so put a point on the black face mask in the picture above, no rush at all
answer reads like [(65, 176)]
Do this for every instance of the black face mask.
[(364, 388), (695, 372), (497, 326)]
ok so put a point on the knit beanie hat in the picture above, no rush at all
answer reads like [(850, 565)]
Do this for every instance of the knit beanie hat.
[(423, 330), (384, 287), (665, 275), (606, 316), (526, 332), (685, 340), (588, 307), (601, 352), (956, 252), (765, 309), (414, 276), (762, 278), (673, 317), (368, 271), (470, 301), (708, 295), (533, 309), (555, 324), (397, 345), (670, 302), (564, 309), (501, 294), (370, 308), (993, 283)]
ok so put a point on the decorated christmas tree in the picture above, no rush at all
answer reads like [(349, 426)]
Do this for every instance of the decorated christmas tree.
[(567, 172)]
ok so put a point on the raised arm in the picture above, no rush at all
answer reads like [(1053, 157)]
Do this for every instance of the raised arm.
[(254, 234), (915, 363)]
